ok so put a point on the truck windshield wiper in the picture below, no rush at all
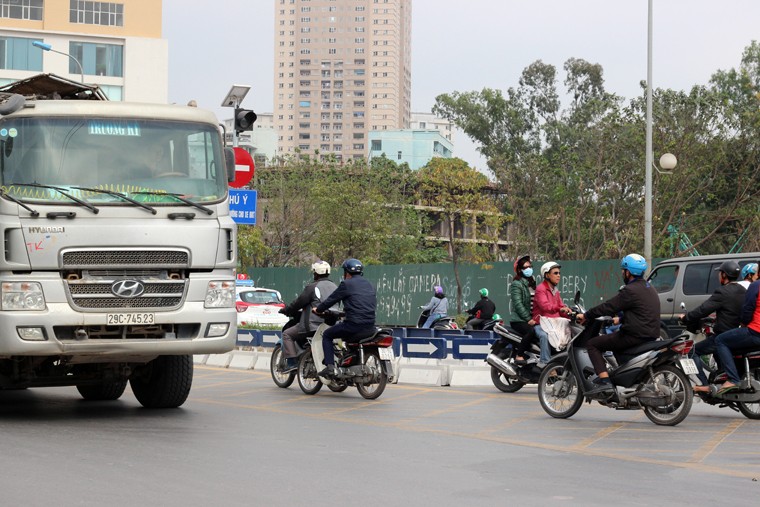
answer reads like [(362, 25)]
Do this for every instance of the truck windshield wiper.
[(119, 195), (204, 209), (62, 192), (8, 196)]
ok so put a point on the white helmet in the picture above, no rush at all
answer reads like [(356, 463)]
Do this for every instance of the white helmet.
[(320, 268), (548, 266)]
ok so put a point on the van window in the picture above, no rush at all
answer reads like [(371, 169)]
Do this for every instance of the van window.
[(664, 278), (700, 279)]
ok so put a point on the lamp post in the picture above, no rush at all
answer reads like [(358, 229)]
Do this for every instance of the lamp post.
[(48, 47)]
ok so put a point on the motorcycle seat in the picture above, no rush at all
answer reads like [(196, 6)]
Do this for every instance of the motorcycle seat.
[(646, 347), (361, 338), (742, 353)]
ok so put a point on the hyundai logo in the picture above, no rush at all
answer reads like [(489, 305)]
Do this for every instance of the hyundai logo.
[(127, 288)]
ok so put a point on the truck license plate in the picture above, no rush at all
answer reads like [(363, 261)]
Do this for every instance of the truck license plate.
[(127, 319)]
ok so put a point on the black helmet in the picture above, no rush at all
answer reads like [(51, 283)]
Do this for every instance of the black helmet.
[(353, 266), (731, 269)]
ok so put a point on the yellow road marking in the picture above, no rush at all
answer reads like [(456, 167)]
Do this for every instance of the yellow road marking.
[(587, 442), (710, 446)]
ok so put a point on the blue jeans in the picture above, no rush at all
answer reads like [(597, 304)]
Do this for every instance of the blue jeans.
[(430, 319), (543, 338), (704, 348), (739, 338)]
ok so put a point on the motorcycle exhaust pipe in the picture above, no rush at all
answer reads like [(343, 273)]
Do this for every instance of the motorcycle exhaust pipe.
[(501, 365)]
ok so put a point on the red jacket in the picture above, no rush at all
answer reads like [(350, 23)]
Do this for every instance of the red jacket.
[(547, 302)]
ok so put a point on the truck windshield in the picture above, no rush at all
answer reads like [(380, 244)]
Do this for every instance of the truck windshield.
[(139, 158)]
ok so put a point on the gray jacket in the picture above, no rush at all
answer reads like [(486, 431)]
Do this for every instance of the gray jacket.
[(308, 300)]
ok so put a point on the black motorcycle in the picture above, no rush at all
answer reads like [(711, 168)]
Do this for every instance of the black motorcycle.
[(506, 374), (282, 376), (650, 376), (746, 399), (365, 363)]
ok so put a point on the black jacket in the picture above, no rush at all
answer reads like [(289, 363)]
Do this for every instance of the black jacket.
[(486, 308), (359, 300), (640, 305), (726, 302), (307, 300)]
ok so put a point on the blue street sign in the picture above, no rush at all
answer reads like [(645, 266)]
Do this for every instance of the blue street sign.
[(243, 206), (424, 348)]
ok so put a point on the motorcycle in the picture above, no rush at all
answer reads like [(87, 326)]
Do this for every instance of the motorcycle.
[(366, 364), (747, 399), (506, 375), (444, 322), (651, 376), (487, 325), (281, 376)]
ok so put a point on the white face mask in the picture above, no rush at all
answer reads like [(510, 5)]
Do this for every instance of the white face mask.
[(528, 272)]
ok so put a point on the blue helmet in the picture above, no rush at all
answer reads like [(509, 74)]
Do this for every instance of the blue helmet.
[(353, 266), (748, 269), (634, 263)]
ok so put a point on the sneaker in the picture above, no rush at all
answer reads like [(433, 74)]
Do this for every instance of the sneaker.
[(291, 363), (601, 385), (531, 360)]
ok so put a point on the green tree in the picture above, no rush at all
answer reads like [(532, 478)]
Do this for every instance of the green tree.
[(462, 199)]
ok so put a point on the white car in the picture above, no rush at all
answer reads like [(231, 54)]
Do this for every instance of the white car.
[(258, 306)]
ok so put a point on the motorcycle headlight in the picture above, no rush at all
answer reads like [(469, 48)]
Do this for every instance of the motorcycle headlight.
[(220, 294), (22, 296)]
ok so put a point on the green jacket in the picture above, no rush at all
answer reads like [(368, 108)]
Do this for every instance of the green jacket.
[(519, 294)]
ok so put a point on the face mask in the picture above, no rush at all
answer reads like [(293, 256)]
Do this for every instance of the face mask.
[(528, 272)]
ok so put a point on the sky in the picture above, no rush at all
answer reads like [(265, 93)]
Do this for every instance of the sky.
[(468, 46)]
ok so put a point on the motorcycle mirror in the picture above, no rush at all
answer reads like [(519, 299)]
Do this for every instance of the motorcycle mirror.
[(683, 305), (577, 298)]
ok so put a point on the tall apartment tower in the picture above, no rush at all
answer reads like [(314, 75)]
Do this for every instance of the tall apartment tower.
[(342, 68)]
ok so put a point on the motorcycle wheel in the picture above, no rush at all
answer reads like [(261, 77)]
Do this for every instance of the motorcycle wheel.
[(504, 383), (308, 380), (751, 410), (373, 390), (280, 379), (558, 391), (676, 380)]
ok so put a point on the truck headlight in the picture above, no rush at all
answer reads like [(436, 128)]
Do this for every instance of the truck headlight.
[(220, 294), (22, 296)]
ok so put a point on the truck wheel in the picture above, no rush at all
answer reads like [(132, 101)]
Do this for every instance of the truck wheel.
[(164, 382), (109, 390)]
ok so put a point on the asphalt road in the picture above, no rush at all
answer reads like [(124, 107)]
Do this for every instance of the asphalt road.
[(240, 440)]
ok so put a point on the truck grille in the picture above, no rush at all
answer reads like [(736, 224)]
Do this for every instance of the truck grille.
[(159, 294), (125, 258)]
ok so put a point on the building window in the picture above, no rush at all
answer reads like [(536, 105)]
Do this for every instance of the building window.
[(19, 54), (399, 155), (96, 13), (21, 9), (97, 59), (377, 145)]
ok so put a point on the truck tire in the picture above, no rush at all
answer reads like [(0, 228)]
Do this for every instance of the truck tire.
[(105, 391), (164, 382)]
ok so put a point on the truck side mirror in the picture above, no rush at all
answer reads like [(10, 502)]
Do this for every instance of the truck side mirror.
[(229, 163)]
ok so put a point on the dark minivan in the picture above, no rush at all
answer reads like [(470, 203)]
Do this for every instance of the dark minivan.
[(688, 280)]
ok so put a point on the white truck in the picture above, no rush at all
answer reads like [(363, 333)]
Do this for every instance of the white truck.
[(119, 253)]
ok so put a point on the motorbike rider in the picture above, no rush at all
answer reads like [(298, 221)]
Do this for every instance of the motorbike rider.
[(309, 321), (749, 274), (481, 312), (726, 302), (521, 293), (547, 303), (747, 336), (359, 303), (437, 308), (640, 321)]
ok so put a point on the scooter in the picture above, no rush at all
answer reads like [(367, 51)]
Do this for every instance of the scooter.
[(651, 376), (365, 364), (747, 399), (487, 325), (444, 322), (507, 375)]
